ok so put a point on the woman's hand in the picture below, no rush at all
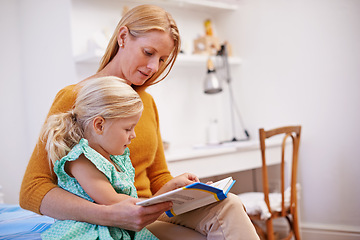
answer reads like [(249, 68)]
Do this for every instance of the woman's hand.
[(132, 217), (127, 215), (177, 182)]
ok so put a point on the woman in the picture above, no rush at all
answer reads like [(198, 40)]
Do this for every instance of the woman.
[(145, 44)]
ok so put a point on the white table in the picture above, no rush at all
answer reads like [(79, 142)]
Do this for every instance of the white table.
[(208, 161)]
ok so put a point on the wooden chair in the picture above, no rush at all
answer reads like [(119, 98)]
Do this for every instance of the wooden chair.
[(289, 210)]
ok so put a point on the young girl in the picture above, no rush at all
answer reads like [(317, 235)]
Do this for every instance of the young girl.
[(88, 147)]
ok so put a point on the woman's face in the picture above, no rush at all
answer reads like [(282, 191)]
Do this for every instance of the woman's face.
[(141, 57)]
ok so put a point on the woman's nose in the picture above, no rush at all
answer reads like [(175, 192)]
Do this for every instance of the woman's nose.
[(153, 65)]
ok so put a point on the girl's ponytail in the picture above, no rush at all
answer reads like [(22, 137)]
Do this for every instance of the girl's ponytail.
[(61, 132)]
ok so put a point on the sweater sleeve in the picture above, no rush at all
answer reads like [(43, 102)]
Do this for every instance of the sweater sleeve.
[(39, 177), (158, 171), (147, 152)]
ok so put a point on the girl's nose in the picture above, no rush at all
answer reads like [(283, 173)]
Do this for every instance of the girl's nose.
[(132, 135)]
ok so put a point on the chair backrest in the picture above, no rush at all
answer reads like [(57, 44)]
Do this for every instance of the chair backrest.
[(292, 132)]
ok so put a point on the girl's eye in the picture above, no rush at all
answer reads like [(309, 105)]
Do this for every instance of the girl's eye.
[(129, 129)]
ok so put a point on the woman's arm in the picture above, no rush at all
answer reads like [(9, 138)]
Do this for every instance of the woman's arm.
[(39, 178), (158, 172), (63, 205)]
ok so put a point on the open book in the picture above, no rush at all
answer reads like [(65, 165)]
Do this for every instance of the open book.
[(192, 196)]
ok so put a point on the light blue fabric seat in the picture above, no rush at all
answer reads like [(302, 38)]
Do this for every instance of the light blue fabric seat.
[(17, 223)]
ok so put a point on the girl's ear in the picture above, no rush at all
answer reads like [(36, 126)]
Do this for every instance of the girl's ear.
[(98, 125), (122, 35)]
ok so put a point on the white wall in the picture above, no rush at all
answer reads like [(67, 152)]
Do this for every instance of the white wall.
[(300, 66), (36, 61), (11, 102)]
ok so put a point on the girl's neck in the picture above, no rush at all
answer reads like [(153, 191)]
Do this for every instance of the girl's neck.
[(99, 149)]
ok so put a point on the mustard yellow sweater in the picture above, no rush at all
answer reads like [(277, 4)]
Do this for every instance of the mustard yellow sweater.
[(146, 153)]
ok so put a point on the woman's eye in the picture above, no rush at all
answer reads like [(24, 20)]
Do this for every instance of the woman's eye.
[(148, 53)]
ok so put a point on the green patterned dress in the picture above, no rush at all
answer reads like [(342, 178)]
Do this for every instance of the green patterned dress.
[(121, 178)]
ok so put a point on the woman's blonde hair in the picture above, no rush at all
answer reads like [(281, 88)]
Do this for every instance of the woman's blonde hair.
[(140, 20), (109, 97)]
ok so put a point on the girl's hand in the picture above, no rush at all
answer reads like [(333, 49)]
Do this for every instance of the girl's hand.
[(177, 182)]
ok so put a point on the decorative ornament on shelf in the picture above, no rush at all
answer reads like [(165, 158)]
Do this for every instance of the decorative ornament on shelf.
[(208, 44)]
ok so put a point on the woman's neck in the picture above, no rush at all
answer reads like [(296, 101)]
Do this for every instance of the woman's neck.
[(111, 69)]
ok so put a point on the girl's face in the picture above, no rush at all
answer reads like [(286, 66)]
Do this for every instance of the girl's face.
[(113, 135), (141, 57)]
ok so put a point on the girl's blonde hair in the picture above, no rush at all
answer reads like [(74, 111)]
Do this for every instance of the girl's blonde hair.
[(108, 97), (140, 20)]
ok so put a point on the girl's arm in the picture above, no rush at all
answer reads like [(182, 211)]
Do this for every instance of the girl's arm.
[(177, 182), (122, 206), (93, 181)]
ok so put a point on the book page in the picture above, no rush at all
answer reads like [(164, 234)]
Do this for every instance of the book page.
[(192, 196), (178, 196), (222, 184)]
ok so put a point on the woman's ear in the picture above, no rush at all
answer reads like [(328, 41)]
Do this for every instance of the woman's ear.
[(122, 35), (98, 125)]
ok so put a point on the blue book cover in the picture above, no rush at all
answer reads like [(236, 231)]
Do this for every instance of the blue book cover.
[(193, 196)]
